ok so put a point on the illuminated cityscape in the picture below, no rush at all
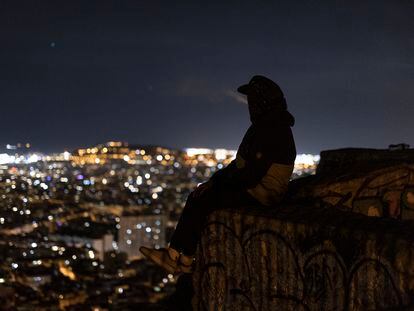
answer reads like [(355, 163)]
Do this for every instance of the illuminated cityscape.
[(74, 221), (114, 112)]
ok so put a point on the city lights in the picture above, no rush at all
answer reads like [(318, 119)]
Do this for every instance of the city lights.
[(67, 213)]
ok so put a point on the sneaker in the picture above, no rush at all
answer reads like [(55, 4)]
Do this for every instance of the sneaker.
[(163, 257)]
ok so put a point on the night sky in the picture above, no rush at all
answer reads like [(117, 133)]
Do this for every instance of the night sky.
[(76, 73)]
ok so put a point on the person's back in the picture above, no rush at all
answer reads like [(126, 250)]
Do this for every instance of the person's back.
[(266, 156)]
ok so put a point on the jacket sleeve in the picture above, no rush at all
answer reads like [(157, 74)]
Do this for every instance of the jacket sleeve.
[(249, 171), (251, 174), (219, 176)]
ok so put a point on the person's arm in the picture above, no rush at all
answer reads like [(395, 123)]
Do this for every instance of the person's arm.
[(268, 145), (252, 173), (259, 151), (224, 172), (216, 180)]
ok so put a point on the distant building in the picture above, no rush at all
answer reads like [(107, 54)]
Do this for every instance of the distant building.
[(143, 230), (18, 148), (103, 245), (102, 153), (99, 243), (121, 151), (208, 157)]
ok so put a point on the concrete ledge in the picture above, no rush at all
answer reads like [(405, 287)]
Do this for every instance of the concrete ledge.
[(303, 258), (386, 192)]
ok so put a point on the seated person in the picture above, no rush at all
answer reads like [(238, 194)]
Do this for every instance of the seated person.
[(258, 176)]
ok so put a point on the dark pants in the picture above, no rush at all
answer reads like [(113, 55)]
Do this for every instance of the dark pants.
[(192, 220)]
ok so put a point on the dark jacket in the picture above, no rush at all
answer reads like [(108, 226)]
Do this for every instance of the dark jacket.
[(265, 158)]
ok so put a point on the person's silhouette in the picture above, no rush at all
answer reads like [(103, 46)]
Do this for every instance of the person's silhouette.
[(259, 174)]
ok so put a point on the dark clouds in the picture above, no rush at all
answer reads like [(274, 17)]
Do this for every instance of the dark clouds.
[(82, 72)]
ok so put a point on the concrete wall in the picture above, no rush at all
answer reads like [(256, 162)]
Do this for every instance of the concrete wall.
[(387, 192), (303, 258), (353, 160)]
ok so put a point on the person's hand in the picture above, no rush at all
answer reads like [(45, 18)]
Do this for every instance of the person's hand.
[(200, 190)]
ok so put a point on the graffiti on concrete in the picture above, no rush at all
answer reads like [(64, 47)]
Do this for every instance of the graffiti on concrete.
[(386, 192), (266, 270)]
